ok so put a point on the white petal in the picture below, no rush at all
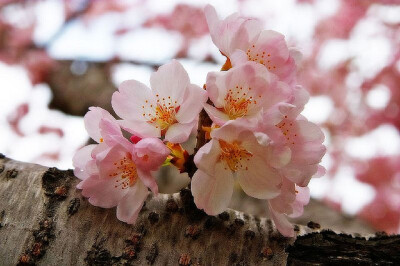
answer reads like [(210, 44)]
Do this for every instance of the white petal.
[(170, 80), (141, 129), (92, 121), (218, 117), (128, 102), (207, 156), (192, 104), (179, 133), (212, 193), (129, 207), (259, 181), (282, 223)]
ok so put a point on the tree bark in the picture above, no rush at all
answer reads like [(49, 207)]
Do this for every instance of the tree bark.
[(44, 220)]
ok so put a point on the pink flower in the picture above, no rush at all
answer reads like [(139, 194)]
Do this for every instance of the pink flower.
[(242, 40), (244, 91), (290, 203), (234, 32), (169, 109), (294, 131), (124, 176), (116, 172), (102, 128), (233, 151)]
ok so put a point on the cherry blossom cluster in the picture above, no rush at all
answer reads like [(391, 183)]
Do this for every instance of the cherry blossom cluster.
[(258, 137)]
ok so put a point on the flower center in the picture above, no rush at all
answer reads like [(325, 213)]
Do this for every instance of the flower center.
[(238, 102), (162, 113), (125, 173), (234, 155), (286, 127), (259, 56)]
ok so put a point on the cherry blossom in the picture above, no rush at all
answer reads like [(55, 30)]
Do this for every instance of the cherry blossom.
[(244, 91), (242, 39), (116, 172), (303, 137), (124, 176), (233, 152), (290, 203), (168, 110)]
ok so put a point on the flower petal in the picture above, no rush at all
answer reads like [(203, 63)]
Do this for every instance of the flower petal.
[(302, 199), (281, 223), (141, 129), (130, 98), (179, 133), (259, 181), (148, 180), (80, 159), (170, 80), (216, 116), (92, 121), (207, 157), (130, 205), (150, 153), (101, 191), (194, 99), (212, 193), (111, 133)]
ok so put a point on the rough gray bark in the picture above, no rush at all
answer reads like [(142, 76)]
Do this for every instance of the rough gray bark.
[(44, 220)]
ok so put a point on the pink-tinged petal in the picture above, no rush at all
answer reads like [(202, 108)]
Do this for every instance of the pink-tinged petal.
[(300, 175), (308, 153), (279, 156), (300, 98), (150, 153), (130, 205), (310, 131), (238, 57), (129, 100), (283, 202), (302, 199), (80, 159), (276, 94), (100, 151), (148, 180), (108, 165), (286, 71), (222, 31), (193, 103), (207, 157), (212, 193), (256, 143), (102, 192), (170, 80), (92, 121), (218, 117), (111, 133), (229, 131), (320, 172), (91, 168), (216, 89), (282, 223), (246, 33), (296, 55), (259, 180), (179, 133), (274, 44), (142, 129)]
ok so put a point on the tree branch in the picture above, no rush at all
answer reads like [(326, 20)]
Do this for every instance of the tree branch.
[(45, 219)]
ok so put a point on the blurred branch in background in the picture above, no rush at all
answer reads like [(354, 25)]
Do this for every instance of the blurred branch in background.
[(75, 54)]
